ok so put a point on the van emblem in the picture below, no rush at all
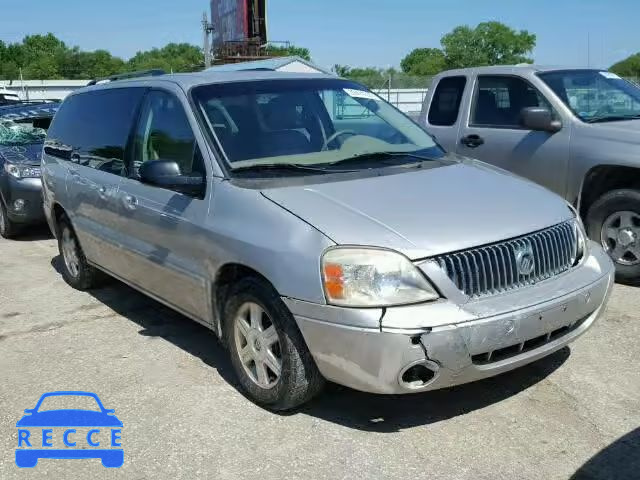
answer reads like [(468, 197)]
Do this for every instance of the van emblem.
[(525, 261)]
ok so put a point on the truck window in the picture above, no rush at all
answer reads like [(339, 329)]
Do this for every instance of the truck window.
[(499, 100), (447, 98)]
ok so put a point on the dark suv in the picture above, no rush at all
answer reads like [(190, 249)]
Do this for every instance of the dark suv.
[(23, 128)]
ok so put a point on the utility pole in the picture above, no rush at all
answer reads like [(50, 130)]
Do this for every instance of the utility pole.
[(207, 29)]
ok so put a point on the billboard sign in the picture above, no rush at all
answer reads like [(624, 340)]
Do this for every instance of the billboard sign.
[(230, 20)]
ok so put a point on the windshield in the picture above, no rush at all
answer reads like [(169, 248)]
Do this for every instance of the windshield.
[(307, 123), (23, 133), (595, 95)]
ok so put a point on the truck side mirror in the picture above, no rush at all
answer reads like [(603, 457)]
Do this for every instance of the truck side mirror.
[(539, 119)]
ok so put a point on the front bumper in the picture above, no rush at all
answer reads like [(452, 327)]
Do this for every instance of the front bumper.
[(373, 349), (29, 190)]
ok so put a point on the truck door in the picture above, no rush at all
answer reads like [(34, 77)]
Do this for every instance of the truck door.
[(442, 113), (493, 132)]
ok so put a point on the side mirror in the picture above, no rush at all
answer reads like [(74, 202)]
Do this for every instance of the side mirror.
[(166, 174), (539, 119)]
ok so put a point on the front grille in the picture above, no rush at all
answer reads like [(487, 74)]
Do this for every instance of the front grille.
[(513, 264), (494, 356)]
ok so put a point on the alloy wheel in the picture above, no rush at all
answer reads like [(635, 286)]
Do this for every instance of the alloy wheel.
[(258, 345), (70, 252), (620, 237)]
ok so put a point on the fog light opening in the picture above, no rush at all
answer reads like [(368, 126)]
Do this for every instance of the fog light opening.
[(18, 205), (417, 376)]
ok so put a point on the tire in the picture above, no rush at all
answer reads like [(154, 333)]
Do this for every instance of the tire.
[(8, 229), (299, 379), (76, 271), (618, 211)]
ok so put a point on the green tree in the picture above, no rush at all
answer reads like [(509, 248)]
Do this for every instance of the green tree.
[(490, 43), (341, 70), (424, 61), (174, 57), (629, 67), (290, 51)]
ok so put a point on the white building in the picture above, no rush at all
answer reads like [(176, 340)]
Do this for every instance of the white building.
[(42, 89)]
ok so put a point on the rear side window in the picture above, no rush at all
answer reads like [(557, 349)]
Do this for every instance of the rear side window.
[(447, 98), (95, 127)]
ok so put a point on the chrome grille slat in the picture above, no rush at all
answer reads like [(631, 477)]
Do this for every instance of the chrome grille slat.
[(492, 269)]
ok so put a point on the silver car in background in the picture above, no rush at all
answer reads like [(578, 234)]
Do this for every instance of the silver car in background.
[(318, 231)]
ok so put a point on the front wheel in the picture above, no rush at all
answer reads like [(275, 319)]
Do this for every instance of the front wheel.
[(614, 222), (268, 353)]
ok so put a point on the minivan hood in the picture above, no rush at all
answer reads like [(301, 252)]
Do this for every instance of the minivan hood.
[(422, 213)]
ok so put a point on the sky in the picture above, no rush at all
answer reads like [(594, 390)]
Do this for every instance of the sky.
[(347, 32)]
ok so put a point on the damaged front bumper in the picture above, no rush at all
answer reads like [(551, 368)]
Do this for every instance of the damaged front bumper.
[(441, 344)]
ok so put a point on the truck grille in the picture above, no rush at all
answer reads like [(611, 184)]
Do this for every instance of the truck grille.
[(515, 263)]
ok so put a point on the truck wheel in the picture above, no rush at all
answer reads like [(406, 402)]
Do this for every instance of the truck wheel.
[(614, 222), (8, 229), (269, 355), (76, 271)]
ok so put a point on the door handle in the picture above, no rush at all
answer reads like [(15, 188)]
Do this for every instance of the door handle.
[(130, 202), (472, 141)]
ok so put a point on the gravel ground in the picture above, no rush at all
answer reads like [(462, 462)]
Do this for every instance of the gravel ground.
[(572, 415)]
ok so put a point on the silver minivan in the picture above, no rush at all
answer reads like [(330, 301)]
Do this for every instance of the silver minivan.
[(317, 230)]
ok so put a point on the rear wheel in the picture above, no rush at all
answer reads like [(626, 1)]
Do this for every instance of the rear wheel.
[(8, 229), (76, 271), (614, 222), (268, 353)]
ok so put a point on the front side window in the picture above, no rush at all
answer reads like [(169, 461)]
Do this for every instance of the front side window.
[(595, 96), (499, 101), (309, 123), (447, 98), (164, 133)]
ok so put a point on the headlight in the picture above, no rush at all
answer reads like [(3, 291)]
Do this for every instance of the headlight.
[(368, 277), (19, 171), (582, 245)]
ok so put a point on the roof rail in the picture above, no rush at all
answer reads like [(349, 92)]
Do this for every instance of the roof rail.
[(126, 76)]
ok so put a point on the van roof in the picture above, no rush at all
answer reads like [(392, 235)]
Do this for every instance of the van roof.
[(189, 80)]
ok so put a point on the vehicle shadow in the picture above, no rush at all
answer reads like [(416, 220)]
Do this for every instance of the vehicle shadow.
[(34, 233), (157, 320), (340, 405), (386, 414), (618, 461)]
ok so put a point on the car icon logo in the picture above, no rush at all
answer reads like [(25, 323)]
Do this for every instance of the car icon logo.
[(525, 260), (84, 433)]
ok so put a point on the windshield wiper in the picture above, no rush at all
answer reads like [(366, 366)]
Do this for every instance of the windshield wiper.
[(298, 167), (612, 118), (381, 156)]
